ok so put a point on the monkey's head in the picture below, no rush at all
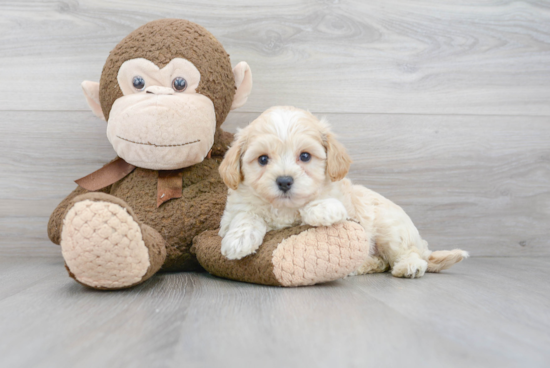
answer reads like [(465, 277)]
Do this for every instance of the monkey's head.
[(164, 91)]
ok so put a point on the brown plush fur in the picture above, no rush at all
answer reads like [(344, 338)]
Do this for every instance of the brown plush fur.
[(168, 231), (204, 194), (55, 223), (257, 269), (162, 40), (179, 220)]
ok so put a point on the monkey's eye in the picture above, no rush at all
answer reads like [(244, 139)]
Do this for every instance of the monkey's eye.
[(138, 83), (179, 84), (263, 160), (305, 156)]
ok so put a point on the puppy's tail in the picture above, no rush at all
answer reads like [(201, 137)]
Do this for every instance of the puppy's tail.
[(443, 259)]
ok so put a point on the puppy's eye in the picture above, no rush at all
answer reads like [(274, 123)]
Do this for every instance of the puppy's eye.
[(179, 84), (305, 156), (263, 160), (138, 82)]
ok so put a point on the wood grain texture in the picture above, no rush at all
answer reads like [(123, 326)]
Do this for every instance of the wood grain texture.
[(444, 109), (485, 312), (395, 56), (477, 183)]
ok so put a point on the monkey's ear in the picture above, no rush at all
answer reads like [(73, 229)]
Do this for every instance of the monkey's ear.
[(243, 82), (91, 92)]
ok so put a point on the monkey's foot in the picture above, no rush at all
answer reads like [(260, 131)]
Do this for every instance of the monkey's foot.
[(105, 246), (296, 256)]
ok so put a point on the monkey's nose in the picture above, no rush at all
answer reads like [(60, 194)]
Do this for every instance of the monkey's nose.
[(159, 90), (284, 183)]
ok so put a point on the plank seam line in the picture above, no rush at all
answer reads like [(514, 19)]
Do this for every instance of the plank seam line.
[(340, 113)]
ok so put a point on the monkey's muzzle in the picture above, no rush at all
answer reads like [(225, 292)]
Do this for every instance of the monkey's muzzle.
[(162, 132)]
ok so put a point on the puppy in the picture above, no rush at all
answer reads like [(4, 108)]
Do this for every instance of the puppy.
[(286, 168)]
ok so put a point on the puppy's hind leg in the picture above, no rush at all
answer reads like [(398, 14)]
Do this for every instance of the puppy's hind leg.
[(399, 242), (401, 249), (373, 264), (409, 266)]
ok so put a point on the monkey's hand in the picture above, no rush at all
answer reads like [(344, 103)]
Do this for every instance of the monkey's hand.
[(245, 235), (324, 212)]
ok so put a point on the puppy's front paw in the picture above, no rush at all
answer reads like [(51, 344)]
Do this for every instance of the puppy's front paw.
[(239, 242), (325, 212)]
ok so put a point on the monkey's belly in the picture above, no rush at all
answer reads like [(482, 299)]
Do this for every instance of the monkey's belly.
[(178, 220)]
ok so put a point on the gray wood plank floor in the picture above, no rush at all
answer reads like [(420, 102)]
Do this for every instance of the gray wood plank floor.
[(487, 312), (445, 109)]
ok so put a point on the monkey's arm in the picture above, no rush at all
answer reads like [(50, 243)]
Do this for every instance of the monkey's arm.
[(56, 219), (296, 256)]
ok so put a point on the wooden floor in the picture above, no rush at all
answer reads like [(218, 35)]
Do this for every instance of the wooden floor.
[(487, 312), (445, 109)]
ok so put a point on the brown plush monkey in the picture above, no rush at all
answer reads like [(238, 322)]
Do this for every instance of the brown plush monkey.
[(165, 90)]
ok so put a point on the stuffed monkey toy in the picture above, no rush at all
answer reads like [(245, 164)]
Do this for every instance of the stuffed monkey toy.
[(165, 90)]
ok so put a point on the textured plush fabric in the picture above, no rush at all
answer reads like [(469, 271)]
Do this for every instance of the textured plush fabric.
[(222, 140), (294, 256), (55, 224), (156, 245), (167, 232), (161, 41), (105, 247), (321, 254), (257, 268), (243, 78), (178, 220), (162, 132), (181, 219), (91, 92)]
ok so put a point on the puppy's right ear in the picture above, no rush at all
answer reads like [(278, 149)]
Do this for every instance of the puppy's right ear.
[(230, 168)]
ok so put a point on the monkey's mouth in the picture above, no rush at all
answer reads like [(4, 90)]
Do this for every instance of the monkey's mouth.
[(158, 145)]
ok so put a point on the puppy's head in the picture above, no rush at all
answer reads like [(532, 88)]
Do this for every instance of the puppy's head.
[(285, 156)]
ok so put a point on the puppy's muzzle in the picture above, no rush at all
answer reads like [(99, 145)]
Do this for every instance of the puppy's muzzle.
[(284, 183)]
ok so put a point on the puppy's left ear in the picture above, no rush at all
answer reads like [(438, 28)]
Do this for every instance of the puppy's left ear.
[(230, 168), (338, 159)]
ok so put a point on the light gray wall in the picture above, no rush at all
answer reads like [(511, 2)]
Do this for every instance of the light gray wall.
[(445, 107)]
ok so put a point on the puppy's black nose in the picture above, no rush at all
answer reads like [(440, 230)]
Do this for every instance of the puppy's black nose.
[(284, 183)]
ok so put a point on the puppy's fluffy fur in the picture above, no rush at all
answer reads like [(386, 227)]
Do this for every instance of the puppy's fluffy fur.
[(319, 195)]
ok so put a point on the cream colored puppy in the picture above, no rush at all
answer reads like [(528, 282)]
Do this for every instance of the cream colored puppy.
[(286, 168)]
